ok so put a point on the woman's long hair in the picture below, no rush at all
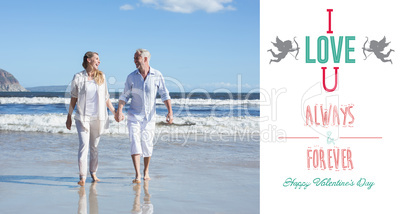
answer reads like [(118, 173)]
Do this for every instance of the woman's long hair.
[(98, 75)]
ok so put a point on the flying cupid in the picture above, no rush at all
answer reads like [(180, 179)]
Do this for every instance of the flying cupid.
[(377, 48), (284, 48)]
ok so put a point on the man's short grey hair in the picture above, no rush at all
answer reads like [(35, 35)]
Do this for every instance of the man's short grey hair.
[(144, 53)]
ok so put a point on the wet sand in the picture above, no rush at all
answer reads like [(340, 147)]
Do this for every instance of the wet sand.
[(39, 174)]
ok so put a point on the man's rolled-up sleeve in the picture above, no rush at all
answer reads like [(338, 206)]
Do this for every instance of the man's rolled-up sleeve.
[(162, 90), (125, 96)]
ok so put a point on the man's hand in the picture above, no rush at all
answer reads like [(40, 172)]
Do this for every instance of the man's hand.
[(119, 116), (169, 118)]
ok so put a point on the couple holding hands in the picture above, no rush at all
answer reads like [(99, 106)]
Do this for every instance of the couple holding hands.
[(90, 94)]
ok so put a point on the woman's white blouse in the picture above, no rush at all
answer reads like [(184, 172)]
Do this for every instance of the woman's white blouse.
[(80, 89)]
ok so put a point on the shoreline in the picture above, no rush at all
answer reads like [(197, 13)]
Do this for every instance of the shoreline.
[(40, 174)]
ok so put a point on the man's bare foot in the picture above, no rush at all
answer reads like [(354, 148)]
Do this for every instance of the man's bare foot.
[(137, 181), (81, 182), (146, 176), (94, 178)]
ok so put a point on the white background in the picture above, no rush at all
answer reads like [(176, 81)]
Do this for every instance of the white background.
[(373, 87)]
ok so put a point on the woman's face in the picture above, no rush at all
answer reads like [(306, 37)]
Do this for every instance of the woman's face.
[(94, 61)]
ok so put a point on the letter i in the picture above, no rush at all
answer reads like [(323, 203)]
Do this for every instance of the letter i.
[(329, 20)]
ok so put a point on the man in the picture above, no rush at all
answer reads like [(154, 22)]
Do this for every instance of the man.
[(141, 86)]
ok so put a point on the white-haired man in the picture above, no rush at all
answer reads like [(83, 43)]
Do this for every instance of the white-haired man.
[(142, 86)]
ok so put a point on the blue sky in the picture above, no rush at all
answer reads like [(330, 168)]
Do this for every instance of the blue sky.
[(199, 44)]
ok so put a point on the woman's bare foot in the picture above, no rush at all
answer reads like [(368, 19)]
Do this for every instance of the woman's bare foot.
[(81, 182), (94, 178), (137, 181)]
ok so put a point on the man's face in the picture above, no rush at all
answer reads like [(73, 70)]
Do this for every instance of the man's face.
[(139, 60)]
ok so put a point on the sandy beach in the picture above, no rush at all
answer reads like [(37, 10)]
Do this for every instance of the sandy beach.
[(196, 174)]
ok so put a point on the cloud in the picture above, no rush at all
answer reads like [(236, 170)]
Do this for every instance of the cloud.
[(189, 6), (126, 7)]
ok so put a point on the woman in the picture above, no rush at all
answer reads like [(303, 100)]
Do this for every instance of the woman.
[(89, 92)]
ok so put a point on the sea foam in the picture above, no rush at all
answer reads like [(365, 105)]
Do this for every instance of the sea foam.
[(178, 101), (55, 123)]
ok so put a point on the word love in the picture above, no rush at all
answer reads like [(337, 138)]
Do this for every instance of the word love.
[(331, 159), (326, 116), (336, 49)]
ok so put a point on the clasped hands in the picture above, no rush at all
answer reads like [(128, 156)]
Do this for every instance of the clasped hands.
[(119, 116)]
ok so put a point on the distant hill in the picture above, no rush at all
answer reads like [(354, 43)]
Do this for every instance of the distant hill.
[(54, 88), (9, 83)]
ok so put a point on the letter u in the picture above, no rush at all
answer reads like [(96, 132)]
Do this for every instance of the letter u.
[(323, 79)]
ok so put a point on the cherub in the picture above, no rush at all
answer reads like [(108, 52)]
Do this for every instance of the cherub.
[(377, 48), (284, 48)]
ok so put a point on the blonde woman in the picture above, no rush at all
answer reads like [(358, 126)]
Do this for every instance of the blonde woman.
[(89, 92)]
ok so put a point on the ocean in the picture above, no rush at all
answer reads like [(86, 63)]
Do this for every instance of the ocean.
[(208, 161), (196, 113)]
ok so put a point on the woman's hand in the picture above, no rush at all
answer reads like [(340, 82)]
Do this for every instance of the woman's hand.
[(119, 116), (68, 122), (73, 102)]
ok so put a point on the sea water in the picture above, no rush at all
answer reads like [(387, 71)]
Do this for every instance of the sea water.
[(196, 113)]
